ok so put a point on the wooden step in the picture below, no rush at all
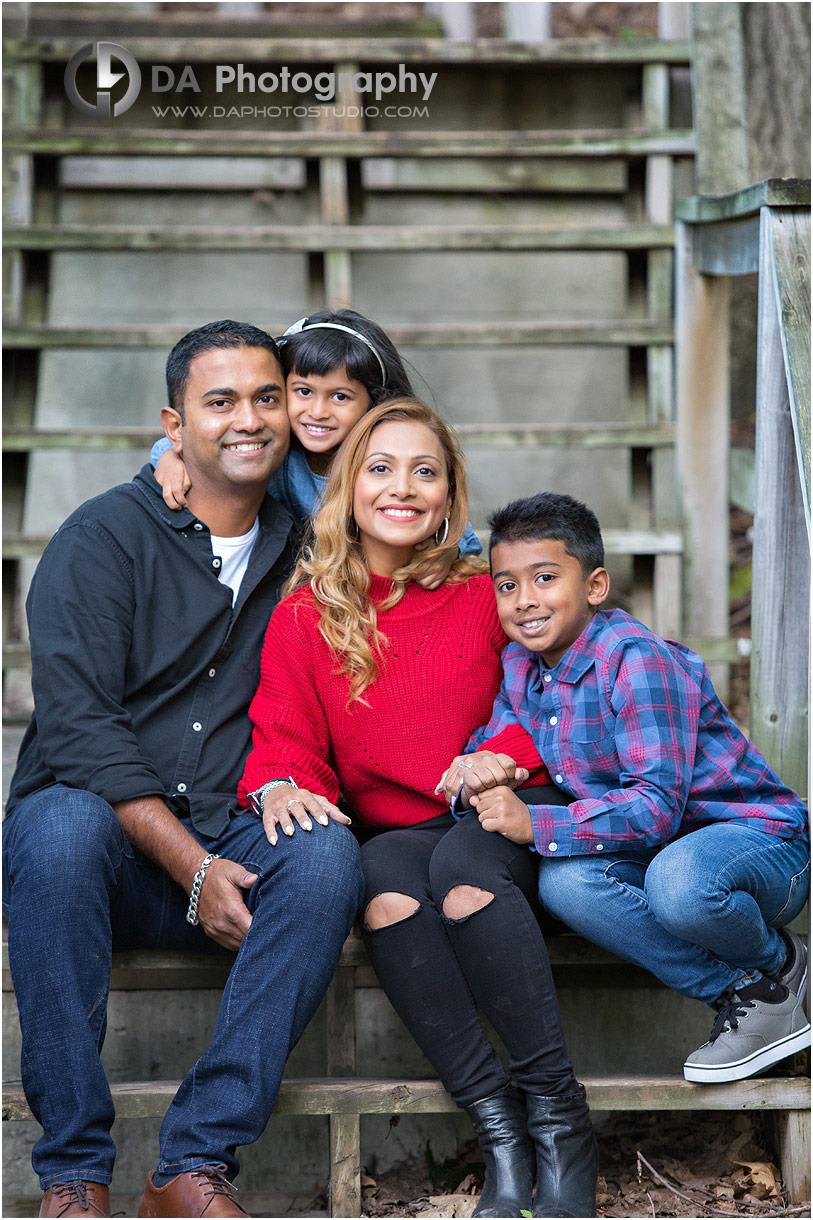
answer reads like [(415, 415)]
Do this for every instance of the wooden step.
[(494, 52), (150, 1099), (616, 542), (317, 238), (162, 970), (92, 141), (498, 436), (621, 333)]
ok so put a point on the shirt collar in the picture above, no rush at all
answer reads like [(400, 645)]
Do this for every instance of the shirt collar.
[(580, 655), (274, 518)]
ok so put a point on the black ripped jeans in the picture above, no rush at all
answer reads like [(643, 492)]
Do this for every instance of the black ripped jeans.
[(437, 972)]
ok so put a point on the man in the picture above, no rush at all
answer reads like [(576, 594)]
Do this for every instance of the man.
[(124, 831)]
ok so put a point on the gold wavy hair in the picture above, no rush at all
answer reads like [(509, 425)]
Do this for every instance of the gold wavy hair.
[(334, 566)]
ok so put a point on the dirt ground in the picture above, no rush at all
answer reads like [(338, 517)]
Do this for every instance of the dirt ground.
[(661, 1164)]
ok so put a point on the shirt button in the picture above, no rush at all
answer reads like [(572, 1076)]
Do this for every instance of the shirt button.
[(215, 562), (553, 720), (548, 678), (553, 847), (212, 673), (558, 779), (197, 726), (182, 787), (197, 526), (599, 847)]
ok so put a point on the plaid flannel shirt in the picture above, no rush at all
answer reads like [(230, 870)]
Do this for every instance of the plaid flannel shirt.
[(630, 725)]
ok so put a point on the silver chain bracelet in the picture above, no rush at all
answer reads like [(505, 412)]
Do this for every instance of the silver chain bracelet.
[(197, 886)]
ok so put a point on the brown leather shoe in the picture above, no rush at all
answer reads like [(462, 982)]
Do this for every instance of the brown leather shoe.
[(78, 1198), (200, 1192)]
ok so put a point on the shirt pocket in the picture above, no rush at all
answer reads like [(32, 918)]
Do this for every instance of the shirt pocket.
[(588, 724)]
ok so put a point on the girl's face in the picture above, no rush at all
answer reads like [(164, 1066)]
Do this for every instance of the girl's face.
[(401, 494), (322, 411)]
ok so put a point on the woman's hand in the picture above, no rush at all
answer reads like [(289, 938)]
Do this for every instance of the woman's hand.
[(171, 473), (501, 812), (477, 773), (284, 807), (437, 571)]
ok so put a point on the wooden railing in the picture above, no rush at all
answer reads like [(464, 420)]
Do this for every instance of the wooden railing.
[(763, 229)]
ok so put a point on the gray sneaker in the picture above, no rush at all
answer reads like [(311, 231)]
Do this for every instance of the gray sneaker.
[(794, 976), (750, 1034)]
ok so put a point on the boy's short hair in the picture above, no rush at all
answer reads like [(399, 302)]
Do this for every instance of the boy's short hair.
[(214, 334), (549, 515)]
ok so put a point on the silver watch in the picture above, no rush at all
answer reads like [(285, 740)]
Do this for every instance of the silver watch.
[(257, 798)]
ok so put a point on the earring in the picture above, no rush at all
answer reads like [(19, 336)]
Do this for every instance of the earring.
[(353, 529), (445, 528)]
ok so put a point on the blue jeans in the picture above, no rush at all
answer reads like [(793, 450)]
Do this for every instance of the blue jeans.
[(75, 889), (700, 913)]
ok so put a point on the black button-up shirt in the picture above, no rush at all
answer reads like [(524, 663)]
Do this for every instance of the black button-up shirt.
[(142, 669)]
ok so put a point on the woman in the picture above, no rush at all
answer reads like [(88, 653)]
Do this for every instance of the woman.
[(372, 684)]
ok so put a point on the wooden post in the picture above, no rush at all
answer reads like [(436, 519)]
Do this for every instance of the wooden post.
[(791, 1138), (718, 68), (702, 433), (345, 1129), (779, 666), (333, 190)]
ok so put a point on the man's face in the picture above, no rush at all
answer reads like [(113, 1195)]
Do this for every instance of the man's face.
[(235, 430)]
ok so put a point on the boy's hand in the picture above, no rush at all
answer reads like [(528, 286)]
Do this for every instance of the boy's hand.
[(478, 772), (439, 569), (501, 812), (171, 473)]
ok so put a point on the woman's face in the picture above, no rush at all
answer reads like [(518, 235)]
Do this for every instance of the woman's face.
[(401, 494)]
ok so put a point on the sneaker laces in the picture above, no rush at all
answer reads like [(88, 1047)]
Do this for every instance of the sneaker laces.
[(215, 1176), (731, 1007), (70, 1193)]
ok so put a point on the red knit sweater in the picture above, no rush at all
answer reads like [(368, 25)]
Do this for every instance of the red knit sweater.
[(438, 678)]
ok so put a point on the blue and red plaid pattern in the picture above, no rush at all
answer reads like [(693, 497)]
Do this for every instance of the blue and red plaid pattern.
[(630, 725)]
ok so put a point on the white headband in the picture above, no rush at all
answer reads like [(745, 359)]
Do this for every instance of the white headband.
[(296, 328)]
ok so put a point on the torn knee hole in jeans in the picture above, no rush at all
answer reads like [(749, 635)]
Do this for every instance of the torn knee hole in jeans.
[(389, 909), (464, 896)]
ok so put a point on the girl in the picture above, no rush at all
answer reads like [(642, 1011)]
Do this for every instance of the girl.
[(371, 684), (337, 366)]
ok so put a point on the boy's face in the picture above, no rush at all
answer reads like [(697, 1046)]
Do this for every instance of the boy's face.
[(543, 599)]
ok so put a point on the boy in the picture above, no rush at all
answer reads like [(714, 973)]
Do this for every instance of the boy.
[(681, 850)]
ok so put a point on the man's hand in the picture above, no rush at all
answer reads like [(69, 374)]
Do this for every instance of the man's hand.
[(479, 772), (222, 909), (501, 812), (283, 807)]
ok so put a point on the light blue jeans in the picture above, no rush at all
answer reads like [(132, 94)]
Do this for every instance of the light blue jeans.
[(700, 913)]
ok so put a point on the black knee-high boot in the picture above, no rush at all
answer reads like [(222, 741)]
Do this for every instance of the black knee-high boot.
[(500, 1122), (566, 1155)]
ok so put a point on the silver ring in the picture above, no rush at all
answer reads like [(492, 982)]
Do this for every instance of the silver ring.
[(293, 801), (468, 765)]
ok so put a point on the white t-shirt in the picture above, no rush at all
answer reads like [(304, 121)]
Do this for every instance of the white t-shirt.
[(234, 554)]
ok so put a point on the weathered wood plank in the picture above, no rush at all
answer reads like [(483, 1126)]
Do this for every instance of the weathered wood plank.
[(727, 247), (345, 1164), (781, 561), (771, 192), (792, 1138), (493, 144), (339, 237), (718, 95), (207, 173), (584, 436), (360, 1096), (411, 51), (789, 235), (702, 435), (554, 175), (622, 333)]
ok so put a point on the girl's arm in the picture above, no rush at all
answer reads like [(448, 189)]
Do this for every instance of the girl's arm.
[(171, 473)]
